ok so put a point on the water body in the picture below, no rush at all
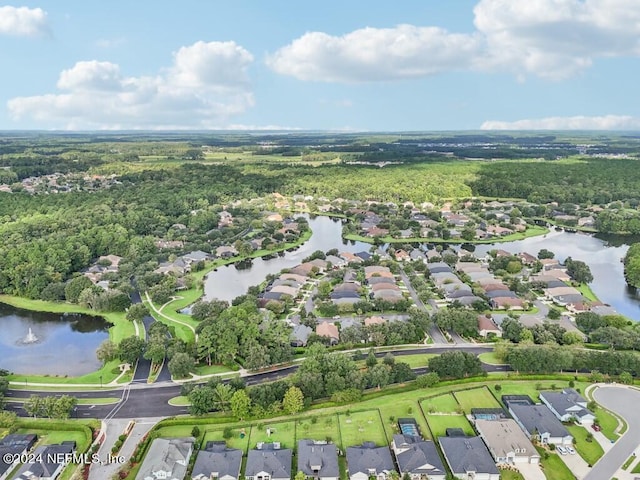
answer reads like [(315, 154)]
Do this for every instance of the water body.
[(65, 344), (228, 282), (601, 253)]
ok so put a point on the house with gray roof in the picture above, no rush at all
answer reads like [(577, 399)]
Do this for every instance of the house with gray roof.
[(468, 457), (49, 462), (568, 405), (368, 461), (218, 461), (167, 459), (418, 458), (12, 446), (318, 460), (539, 423), (300, 335), (269, 462)]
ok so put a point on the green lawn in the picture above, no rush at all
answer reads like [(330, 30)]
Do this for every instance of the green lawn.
[(359, 427), (510, 475), (490, 358), (636, 469), (440, 423), (589, 451), (211, 370), (324, 427), (234, 442), (608, 422), (476, 398), (180, 401), (440, 404), (283, 432), (586, 291), (107, 372), (553, 466), (415, 361)]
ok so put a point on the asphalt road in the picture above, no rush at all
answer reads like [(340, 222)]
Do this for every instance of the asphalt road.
[(142, 400), (624, 402)]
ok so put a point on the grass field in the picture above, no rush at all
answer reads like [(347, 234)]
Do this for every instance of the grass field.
[(490, 358), (362, 427), (283, 432), (476, 398), (234, 442), (589, 451), (440, 423), (107, 373), (553, 466), (324, 427), (510, 475), (415, 361), (441, 404)]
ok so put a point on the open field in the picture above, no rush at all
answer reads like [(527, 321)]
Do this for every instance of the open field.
[(439, 424), (490, 358), (441, 404), (359, 427), (283, 432), (476, 398)]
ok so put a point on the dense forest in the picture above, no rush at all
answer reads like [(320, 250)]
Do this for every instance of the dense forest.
[(632, 265)]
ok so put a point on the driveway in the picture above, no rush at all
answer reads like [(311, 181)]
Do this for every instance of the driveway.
[(531, 471), (576, 464), (623, 401)]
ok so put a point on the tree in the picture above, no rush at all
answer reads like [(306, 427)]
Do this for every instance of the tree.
[(625, 378), (430, 379), (181, 365), (578, 271), (240, 404), (554, 314), (74, 288), (545, 254), (293, 401), (155, 351), (455, 364), (201, 400), (137, 312), (371, 358), (222, 394), (130, 349), (107, 351)]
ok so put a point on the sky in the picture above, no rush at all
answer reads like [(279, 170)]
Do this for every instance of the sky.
[(349, 65)]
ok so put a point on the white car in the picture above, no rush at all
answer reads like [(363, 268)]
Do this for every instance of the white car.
[(561, 450), (571, 450)]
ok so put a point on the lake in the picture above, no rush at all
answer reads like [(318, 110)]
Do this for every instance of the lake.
[(601, 254), (66, 344)]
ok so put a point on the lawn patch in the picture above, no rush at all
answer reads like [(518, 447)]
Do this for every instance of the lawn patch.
[(283, 432), (589, 451), (553, 466), (318, 427), (440, 404), (235, 441), (360, 427), (476, 398), (440, 423)]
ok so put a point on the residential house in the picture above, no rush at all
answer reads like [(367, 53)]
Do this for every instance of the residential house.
[(48, 462), (226, 251), (268, 462), (374, 321), (540, 423), (417, 457), (13, 446), (167, 459), (217, 461), (328, 330), (568, 405), (488, 414), (468, 457), (486, 327), (318, 459), (402, 256), (500, 303), (300, 335), (196, 256), (507, 442), (367, 461)]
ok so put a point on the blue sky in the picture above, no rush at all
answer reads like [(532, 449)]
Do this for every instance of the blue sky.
[(330, 65)]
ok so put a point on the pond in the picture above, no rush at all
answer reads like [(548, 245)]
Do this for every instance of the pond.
[(49, 343), (229, 282), (601, 254)]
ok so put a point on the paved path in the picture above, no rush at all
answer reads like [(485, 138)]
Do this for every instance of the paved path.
[(114, 429), (622, 401)]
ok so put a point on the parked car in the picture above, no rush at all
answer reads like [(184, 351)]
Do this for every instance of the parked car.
[(561, 450), (596, 427), (571, 450)]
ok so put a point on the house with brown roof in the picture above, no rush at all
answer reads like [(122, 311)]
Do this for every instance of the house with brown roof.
[(487, 327), (374, 320), (328, 330), (504, 303)]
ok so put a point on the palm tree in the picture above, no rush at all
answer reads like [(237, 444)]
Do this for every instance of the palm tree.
[(222, 394)]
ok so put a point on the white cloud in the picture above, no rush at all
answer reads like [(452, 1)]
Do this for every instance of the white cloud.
[(604, 122), (551, 39), (375, 54), (206, 84), (23, 21)]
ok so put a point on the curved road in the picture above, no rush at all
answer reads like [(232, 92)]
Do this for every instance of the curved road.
[(145, 400), (623, 401)]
